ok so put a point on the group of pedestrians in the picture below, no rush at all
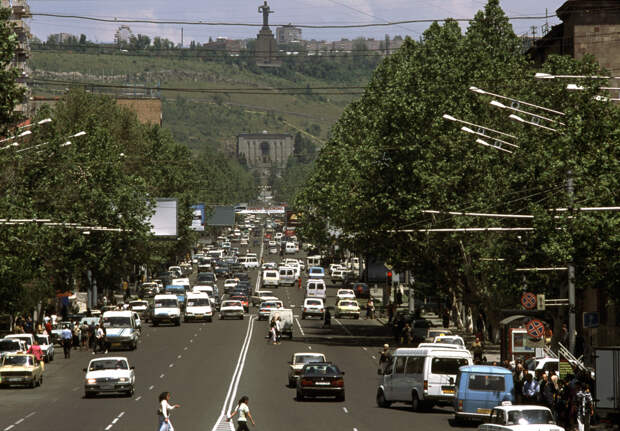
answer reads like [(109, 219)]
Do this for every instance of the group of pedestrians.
[(275, 329), (568, 398)]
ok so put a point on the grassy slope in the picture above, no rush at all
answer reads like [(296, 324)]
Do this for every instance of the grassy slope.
[(199, 119)]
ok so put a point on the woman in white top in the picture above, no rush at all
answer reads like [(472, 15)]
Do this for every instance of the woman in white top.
[(163, 412), (244, 413)]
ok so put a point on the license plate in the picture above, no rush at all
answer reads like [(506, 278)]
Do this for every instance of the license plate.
[(14, 379), (447, 391), (322, 383), (107, 387), (484, 411)]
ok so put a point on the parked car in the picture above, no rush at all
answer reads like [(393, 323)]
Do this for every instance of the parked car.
[(320, 379), (109, 375), (520, 418)]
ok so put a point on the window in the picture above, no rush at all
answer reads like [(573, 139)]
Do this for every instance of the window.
[(481, 382), (530, 417), (399, 366), (447, 365), (415, 365)]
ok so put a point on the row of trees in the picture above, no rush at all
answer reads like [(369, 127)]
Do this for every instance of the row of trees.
[(108, 177), (392, 155)]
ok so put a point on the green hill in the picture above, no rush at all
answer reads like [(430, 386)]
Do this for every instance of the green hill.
[(229, 96)]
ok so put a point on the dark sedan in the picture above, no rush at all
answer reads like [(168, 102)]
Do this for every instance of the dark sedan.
[(320, 379), (361, 289)]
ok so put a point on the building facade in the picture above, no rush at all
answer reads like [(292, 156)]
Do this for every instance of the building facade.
[(265, 151), (19, 12), (288, 34)]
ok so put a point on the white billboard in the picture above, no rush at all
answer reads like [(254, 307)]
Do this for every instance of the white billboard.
[(164, 221)]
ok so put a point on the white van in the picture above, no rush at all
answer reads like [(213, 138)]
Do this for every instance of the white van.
[(198, 307), (421, 377), (166, 309), (290, 248), (202, 288), (271, 277), (287, 276), (315, 288), (248, 262), (121, 329)]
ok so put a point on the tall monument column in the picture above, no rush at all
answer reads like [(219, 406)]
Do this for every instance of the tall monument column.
[(266, 47)]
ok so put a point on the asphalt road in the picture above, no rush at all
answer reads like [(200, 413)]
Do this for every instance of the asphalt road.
[(208, 366)]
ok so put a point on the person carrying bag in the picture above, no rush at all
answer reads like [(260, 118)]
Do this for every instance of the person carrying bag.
[(163, 412)]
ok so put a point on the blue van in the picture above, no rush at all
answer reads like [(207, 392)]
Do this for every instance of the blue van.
[(480, 388)]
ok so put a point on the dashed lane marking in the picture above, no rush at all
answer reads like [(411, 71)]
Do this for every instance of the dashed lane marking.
[(171, 365), (179, 356), (345, 410), (75, 389), (184, 348), (19, 421), (151, 387), (139, 398), (365, 348), (9, 427), (374, 357), (161, 376), (303, 334), (309, 347)]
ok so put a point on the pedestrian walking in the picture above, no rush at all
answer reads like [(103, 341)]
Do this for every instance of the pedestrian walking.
[(279, 325), (478, 350), (76, 335), (273, 331), (36, 351), (531, 388), (85, 334), (244, 414), (67, 339), (445, 317), (385, 358), (370, 309), (163, 412), (99, 336), (405, 334), (585, 409)]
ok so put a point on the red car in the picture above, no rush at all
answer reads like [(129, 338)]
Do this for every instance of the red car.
[(244, 302)]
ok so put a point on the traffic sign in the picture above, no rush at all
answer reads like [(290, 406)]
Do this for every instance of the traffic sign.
[(591, 319), (540, 302), (535, 328), (528, 300)]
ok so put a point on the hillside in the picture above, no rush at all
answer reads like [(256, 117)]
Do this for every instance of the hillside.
[(229, 96)]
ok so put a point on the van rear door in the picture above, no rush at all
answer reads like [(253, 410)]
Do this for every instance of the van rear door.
[(441, 374)]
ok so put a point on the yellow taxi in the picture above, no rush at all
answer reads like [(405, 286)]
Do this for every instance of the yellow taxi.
[(348, 307), (20, 369)]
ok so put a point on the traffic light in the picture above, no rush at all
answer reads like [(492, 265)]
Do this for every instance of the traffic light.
[(389, 278)]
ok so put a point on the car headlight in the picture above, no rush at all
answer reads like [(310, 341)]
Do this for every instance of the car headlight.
[(123, 380), (91, 381)]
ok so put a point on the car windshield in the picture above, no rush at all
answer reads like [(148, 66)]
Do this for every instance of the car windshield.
[(9, 345), (348, 304), (231, 304), (321, 369), (17, 360), (108, 364), (270, 304), (316, 271), (165, 303), (313, 302), (197, 302), (138, 303), (116, 322), (447, 365), (306, 359), (42, 340), (530, 417)]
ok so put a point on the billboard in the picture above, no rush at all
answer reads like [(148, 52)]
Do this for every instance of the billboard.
[(198, 217), (164, 221)]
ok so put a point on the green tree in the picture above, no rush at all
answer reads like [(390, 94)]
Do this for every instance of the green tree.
[(10, 93)]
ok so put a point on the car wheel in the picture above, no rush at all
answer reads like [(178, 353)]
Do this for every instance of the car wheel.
[(340, 397), (299, 396), (381, 401), (303, 317), (415, 403), (33, 384), (177, 323), (155, 323), (209, 319), (221, 317), (88, 394), (130, 392), (241, 317)]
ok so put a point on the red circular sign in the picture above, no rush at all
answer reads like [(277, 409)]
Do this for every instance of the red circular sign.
[(535, 328), (528, 300)]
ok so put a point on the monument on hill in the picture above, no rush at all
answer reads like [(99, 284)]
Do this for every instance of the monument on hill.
[(266, 48)]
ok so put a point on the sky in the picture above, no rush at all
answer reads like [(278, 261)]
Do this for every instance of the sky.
[(326, 12)]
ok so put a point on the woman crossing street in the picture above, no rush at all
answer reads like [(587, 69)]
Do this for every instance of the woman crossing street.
[(244, 413)]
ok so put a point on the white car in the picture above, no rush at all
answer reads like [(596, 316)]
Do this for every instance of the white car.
[(262, 295), (520, 418), (269, 265), (231, 308), (271, 278), (266, 306), (273, 250), (345, 294), (230, 283), (109, 374), (198, 307), (335, 267), (313, 307), (297, 363), (272, 244)]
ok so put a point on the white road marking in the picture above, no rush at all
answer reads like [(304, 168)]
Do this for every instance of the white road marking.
[(303, 334), (365, 348), (310, 347), (179, 356), (161, 376), (354, 429), (121, 414), (30, 414), (114, 420), (195, 335), (108, 427), (151, 387), (184, 348), (191, 341), (374, 357), (139, 398), (75, 389), (171, 365), (9, 427), (345, 410), (19, 421)]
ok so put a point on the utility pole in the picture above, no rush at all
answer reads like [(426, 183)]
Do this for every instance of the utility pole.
[(409, 283), (571, 276), (181, 37)]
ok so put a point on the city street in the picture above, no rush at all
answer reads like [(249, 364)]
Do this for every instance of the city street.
[(208, 366)]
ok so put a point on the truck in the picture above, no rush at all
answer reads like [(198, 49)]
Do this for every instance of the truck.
[(607, 368)]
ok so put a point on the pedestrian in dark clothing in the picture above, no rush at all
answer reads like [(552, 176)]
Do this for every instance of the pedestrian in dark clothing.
[(478, 350), (405, 334), (385, 358), (446, 318), (518, 379), (67, 339)]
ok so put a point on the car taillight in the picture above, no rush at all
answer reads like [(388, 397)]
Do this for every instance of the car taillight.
[(338, 382), (305, 309), (306, 382), (425, 385), (460, 408)]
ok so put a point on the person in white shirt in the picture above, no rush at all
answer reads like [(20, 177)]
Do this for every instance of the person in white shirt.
[(163, 412), (244, 413)]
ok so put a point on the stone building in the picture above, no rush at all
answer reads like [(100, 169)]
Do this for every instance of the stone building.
[(588, 27), (266, 152), (19, 12), (288, 34)]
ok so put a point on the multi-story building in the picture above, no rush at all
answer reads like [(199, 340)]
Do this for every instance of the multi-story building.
[(19, 12), (288, 34), (265, 152)]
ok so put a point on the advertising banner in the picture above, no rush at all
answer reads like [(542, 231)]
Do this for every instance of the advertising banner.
[(198, 217)]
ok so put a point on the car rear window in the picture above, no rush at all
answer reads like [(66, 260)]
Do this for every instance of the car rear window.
[(482, 382), (271, 274), (447, 365), (313, 302)]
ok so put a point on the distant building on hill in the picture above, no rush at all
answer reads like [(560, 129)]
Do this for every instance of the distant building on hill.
[(265, 151), (288, 33)]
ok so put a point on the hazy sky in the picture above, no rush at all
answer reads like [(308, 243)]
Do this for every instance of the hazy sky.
[(293, 11)]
